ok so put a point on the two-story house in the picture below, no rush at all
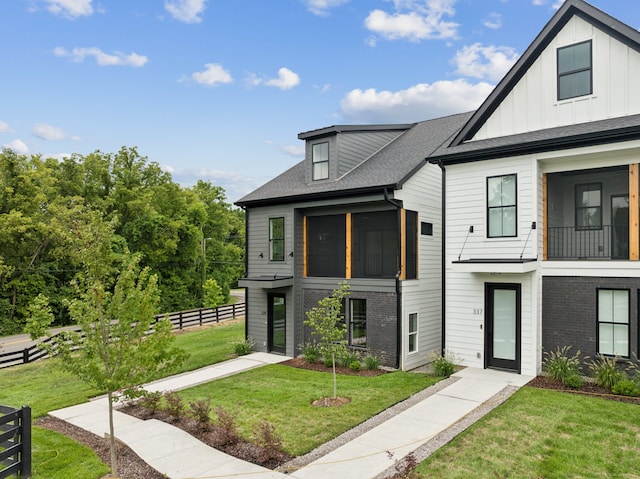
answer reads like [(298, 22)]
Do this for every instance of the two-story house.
[(542, 209), (363, 206)]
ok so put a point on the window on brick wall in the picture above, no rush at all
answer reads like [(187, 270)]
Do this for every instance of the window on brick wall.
[(613, 322)]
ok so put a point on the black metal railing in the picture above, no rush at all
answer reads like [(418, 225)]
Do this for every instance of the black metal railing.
[(605, 242), (179, 320), (15, 442)]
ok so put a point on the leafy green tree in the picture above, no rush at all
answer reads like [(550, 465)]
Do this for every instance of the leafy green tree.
[(213, 296), (326, 322), (114, 350)]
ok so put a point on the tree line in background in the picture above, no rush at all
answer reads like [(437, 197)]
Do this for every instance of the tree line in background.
[(190, 237)]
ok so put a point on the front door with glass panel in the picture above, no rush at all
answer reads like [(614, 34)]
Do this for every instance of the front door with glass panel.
[(277, 323), (502, 328)]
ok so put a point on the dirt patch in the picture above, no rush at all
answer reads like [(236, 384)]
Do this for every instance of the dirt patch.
[(588, 389), (331, 402)]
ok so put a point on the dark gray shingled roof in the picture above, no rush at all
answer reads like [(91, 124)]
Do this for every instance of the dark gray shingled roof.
[(388, 168)]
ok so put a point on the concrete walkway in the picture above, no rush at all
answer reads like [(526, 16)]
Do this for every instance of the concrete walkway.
[(180, 456)]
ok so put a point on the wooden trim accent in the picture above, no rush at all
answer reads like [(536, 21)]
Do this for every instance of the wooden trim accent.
[(304, 246), (634, 213), (347, 267), (545, 244), (403, 242)]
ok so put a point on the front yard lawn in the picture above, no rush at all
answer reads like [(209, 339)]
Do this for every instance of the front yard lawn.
[(540, 433), (282, 395)]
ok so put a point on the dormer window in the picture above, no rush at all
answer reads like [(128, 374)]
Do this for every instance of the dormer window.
[(320, 161), (575, 71)]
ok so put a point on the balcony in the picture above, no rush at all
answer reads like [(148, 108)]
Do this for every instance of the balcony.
[(570, 243)]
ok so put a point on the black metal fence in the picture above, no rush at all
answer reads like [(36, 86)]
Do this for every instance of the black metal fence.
[(179, 320), (605, 242), (15, 442)]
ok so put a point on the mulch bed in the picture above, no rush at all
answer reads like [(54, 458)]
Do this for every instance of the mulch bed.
[(588, 389), (302, 363)]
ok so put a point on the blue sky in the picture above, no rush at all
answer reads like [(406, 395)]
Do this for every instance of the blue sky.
[(218, 90)]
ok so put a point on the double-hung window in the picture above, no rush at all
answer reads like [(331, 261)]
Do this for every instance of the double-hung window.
[(320, 161), (501, 206), (413, 332), (575, 71), (589, 206), (613, 322), (276, 239)]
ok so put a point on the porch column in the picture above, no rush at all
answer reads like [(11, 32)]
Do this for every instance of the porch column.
[(545, 246), (347, 268), (634, 212)]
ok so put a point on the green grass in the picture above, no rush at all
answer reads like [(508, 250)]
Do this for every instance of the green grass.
[(283, 395), (545, 434), (45, 387), (56, 456)]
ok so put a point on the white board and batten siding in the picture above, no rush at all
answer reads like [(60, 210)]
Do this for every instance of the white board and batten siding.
[(258, 243), (467, 206), (422, 193), (533, 105)]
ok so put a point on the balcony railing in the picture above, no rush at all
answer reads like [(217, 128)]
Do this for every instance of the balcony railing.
[(606, 242)]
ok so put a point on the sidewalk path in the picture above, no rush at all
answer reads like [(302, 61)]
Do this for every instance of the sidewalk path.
[(180, 456)]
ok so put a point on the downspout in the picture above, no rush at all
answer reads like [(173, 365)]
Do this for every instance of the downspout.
[(246, 272), (398, 207), (443, 272)]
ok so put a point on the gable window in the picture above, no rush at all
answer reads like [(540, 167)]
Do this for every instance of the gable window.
[(413, 332), (589, 206), (358, 322), (501, 206), (326, 245), (613, 322), (574, 71), (276, 239), (320, 161)]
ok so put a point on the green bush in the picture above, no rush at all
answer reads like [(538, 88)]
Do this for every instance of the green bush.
[(605, 370), (310, 351), (371, 362), (626, 387), (346, 357), (561, 366), (444, 365), (574, 381), (242, 348), (355, 365)]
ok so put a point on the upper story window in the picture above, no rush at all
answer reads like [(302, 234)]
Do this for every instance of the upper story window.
[(320, 161), (276, 239), (501, 206), (589, 206), (575, 71)]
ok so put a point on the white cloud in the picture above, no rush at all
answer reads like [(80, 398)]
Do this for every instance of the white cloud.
[(49, 132), (187, 11), (18, 146), (4, 127), (322, 7), (286, 80), (414, 20), (484, 62), (70, 8), (293, 150), (493, 21), (420, 102), (555, 5), (213, 74), (102, 59)]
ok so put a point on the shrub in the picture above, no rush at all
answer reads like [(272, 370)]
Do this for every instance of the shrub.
[(561, 366), (242, 348), (355, 365), (346, 357), (201, 411), (174, 404), (605, 371), (574, 381), (626, 387), (268, 440), (310, 351), (227, 425), (151, 401), (444, 365), (371, 362)]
